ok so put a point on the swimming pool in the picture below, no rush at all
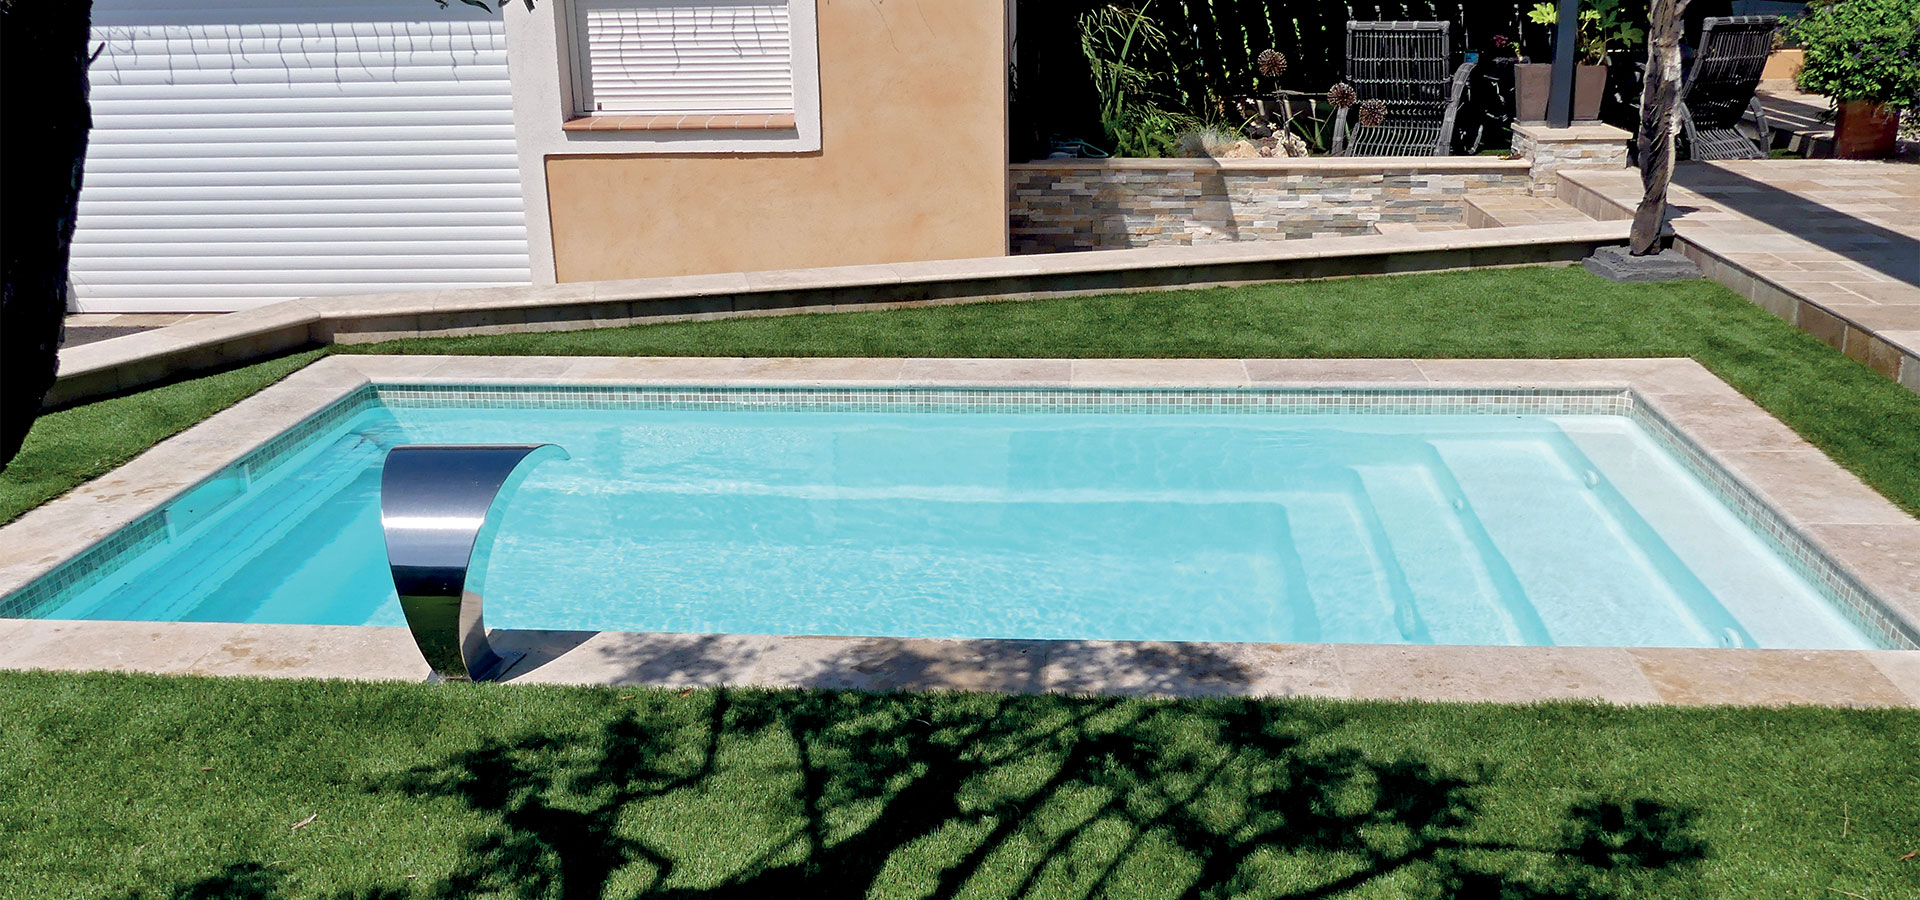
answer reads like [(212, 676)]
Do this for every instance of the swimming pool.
[(1416, 517)]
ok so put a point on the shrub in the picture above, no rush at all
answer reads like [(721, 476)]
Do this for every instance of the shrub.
[(1862, 50)]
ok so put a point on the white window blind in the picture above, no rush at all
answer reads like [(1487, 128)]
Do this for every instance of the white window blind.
[(659, 57)]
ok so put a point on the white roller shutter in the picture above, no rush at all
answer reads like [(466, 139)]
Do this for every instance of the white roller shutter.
[(721, 57), (245, 152)]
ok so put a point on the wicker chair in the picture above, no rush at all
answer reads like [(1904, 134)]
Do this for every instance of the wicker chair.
[(1720, 85), (1405, 65)]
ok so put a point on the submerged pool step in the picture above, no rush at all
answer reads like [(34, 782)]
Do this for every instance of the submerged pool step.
[(1460, 580), (1583, 571)]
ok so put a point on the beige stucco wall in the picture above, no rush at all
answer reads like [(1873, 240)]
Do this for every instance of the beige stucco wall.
[(912, 163)]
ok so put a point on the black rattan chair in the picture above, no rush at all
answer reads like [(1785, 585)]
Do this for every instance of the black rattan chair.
[(1720, 85), (1404, 64)]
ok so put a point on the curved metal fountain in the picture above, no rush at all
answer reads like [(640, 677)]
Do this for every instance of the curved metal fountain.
[(440, 508)]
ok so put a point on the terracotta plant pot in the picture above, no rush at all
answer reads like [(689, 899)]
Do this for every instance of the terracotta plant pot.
[(1533, 81), (1866, 130)]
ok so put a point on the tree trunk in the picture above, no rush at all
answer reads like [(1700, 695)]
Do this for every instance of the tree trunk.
[(1659, 120), (43, 72)]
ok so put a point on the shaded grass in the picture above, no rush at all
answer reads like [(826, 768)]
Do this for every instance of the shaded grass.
[(1866, 422), (126, 786)]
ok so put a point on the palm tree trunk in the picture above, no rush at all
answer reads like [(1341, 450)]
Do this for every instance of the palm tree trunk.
[(1659, 120), (43, 71)]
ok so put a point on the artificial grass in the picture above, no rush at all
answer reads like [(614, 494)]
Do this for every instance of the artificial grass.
[(130, 786), (124, 787), (1860, 418)]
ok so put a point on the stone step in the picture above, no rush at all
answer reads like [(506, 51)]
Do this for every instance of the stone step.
[(1417, 227), (1494, 211)]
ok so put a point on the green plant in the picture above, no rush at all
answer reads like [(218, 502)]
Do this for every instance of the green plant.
[(1211, 140), (1111, 37), (1861, 50), (1603, 26)]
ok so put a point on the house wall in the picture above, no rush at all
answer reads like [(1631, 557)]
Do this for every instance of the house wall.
[(1081, 204), (911, 166)]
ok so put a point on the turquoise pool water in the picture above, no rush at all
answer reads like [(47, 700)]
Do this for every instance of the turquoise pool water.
[(1371, 528)]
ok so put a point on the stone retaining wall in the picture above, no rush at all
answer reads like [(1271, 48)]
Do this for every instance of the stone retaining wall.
[(1081, 204)]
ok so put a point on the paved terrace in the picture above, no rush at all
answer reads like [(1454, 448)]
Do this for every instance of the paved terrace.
[(1832, 246)]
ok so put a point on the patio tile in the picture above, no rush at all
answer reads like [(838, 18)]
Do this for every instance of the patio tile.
[(623, 658), (491, 368), (803, 370), (393, 368), (72, 646), (1811, 490), (898, 664), (1323, 371), (1494, 674), (1523, 372), (1726, 421), (1159, 372), (1902, 667), (1879, 317), (1885, 557), (656, 369), (1168, 669), (354, 652), (1767, 677), (1051, 372), (1908, 341), (1887, 292)]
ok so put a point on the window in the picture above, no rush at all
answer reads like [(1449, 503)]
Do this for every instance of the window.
[(684, 63)]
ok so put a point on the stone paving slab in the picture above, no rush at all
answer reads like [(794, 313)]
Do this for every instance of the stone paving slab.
[(1864, 534), (1832, 246)]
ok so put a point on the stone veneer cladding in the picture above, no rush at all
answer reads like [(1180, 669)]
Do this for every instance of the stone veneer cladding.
[(1081, 204), (1548, 150)]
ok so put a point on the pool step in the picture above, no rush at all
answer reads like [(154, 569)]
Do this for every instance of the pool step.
[(1463, 583), (1514, 210), (1532, 503), (1417, 227)]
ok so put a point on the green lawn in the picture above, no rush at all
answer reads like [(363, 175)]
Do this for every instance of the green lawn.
[(1863, 420), (122, 787), (125, 787)]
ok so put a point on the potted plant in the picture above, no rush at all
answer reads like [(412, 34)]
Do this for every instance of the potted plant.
[(1602, 27), (1865, 56)]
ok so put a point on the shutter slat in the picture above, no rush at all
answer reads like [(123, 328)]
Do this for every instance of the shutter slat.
[(661, 57), (247, 152)]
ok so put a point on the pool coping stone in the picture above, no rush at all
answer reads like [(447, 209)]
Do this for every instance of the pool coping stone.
[(1865, 535)]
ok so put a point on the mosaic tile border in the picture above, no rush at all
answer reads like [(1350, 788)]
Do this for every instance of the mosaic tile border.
[(92, 564), (1012, 399)]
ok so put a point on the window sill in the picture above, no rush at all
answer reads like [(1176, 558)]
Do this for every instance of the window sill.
[(783, 122)]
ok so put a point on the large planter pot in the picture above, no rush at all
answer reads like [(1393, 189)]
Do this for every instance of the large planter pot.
[(1866, 130), (1532, 82)]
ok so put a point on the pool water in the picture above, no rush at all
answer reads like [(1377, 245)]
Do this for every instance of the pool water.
[(1368, 528)]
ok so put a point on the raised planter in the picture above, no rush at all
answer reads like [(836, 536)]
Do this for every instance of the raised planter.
[(1064, 205)]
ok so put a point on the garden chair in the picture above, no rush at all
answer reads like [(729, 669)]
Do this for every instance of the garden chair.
[(1720, 87), (1403, 64)]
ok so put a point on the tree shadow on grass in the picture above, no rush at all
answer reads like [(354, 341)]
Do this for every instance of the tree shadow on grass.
[(757, 794)]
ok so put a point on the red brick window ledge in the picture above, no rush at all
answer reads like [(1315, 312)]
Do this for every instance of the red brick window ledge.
[(701, 122)]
